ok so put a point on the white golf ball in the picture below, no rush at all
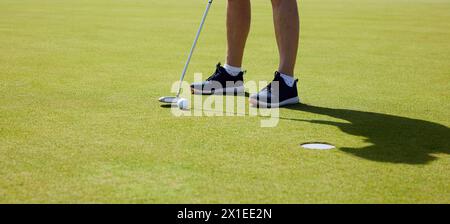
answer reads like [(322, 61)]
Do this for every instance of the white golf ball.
[(182, 104)]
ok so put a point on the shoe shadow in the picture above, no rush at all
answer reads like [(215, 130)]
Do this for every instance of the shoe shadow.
[(166, 105), (245, 94), (393, 139)]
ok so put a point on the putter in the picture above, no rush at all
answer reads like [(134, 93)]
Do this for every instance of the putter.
[(174, 99)]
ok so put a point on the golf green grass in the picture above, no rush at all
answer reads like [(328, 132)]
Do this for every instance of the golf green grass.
[(80, 121)]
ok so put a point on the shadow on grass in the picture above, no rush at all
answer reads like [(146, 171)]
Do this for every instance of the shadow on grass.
[(393, 139), (166, 105), (246, 95)]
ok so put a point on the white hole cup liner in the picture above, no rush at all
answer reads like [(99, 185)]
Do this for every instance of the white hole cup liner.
[(317, 146)]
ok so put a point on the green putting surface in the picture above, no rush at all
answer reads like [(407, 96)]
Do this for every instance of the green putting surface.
[(80, 119)]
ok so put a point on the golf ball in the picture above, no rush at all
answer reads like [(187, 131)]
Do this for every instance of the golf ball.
[(182, 104)]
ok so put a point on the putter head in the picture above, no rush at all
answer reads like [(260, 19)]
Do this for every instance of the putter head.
[(169, 99)]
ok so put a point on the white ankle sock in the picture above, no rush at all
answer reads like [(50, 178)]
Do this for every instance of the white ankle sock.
[(234, 71), (289, 80)]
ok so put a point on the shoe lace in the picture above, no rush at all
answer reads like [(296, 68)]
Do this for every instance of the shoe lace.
[(268, 88), (215, 74)]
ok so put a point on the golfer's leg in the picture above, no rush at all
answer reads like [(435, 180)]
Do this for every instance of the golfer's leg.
[(238, 26), (287, 28)]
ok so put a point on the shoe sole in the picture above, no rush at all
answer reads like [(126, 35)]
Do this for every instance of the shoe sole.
[(256, 103), (239, 89)]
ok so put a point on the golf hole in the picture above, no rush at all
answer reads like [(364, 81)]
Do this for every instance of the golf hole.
[(317, 146)]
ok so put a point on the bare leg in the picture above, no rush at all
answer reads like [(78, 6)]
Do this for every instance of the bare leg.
[(238, 27), (287, 29)]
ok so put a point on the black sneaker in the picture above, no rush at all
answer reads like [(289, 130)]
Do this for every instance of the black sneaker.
[(276, 94), (220, 82)]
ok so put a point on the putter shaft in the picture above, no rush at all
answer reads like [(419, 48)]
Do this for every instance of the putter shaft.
[(205, 14)]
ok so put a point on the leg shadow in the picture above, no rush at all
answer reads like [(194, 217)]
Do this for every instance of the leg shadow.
[(393, 139)]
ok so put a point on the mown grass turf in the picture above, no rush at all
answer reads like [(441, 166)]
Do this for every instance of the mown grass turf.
[(79, 120)]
